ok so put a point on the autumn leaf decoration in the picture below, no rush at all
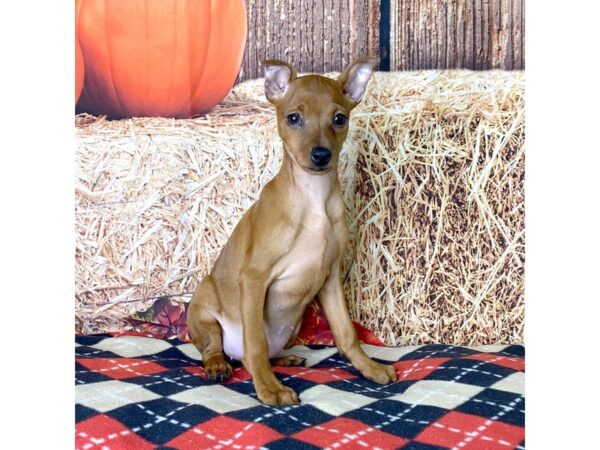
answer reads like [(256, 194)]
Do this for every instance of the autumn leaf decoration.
[(315, 329), (164, 319)]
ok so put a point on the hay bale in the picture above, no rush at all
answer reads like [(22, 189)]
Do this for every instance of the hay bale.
[(155, 201), (438, 210), (432, 174)]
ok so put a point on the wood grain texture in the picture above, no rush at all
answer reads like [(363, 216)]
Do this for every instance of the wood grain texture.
[(446, 34), (314, 36), (322, 36)]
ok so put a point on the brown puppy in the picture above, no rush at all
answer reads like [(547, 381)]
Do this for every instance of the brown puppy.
[(288, 246)]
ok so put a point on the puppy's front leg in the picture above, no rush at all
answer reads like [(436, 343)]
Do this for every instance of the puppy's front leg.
[(256, 346), (331, 297)]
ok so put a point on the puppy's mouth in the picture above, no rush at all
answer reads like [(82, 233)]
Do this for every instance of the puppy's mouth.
[(317, 170)]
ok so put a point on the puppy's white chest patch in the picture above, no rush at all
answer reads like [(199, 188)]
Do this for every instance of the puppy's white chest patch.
[(277, 336), (233, 339)]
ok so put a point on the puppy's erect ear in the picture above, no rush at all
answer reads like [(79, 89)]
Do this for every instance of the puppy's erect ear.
[(278, 76), (355, 77)]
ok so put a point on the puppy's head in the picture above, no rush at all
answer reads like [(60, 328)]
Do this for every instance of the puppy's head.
[(313, 111)]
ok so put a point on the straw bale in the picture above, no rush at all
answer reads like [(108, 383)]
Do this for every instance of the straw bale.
[(432, 174), (438, 210)]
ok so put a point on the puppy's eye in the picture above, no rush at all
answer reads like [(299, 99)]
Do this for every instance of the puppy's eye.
[(294, 119), (339, 120)]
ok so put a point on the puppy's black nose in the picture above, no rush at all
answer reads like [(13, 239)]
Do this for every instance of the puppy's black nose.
[(320, 156)]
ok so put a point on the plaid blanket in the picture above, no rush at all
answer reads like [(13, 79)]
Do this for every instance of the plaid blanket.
[(138, 392)]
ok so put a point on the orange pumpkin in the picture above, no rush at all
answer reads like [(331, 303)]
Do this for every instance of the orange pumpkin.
[(171, 58), (79, 71)]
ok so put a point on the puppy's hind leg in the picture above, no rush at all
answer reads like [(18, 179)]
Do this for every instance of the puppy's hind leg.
[(206, 334), (288, 361)]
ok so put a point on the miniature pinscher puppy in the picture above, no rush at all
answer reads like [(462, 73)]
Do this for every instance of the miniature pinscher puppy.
[(288, 246)]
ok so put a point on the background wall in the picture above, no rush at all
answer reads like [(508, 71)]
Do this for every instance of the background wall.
[(323, 35)]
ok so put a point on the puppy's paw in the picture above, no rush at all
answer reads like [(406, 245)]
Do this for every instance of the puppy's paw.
[(380, 373), (289, 361), (277, 395), (217, 369)]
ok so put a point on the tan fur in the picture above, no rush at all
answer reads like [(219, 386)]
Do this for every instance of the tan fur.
[(288, 247)]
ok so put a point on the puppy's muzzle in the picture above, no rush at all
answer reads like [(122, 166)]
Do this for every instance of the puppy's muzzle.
[(320, 156)]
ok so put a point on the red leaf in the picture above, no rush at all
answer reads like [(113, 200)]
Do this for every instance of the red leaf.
[(166, 313), (164, 319), (367, 336), (315, 329)]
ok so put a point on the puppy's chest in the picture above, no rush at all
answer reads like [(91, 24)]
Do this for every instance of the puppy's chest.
[(306, 266)]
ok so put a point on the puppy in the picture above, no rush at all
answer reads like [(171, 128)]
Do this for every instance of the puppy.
[(288, 247)]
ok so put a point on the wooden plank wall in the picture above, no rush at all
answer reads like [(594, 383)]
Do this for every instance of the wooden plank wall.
[(323, 35), (313, 35), (442, 34)]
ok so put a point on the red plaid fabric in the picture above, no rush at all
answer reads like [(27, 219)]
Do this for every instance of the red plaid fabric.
[(139, 392)]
